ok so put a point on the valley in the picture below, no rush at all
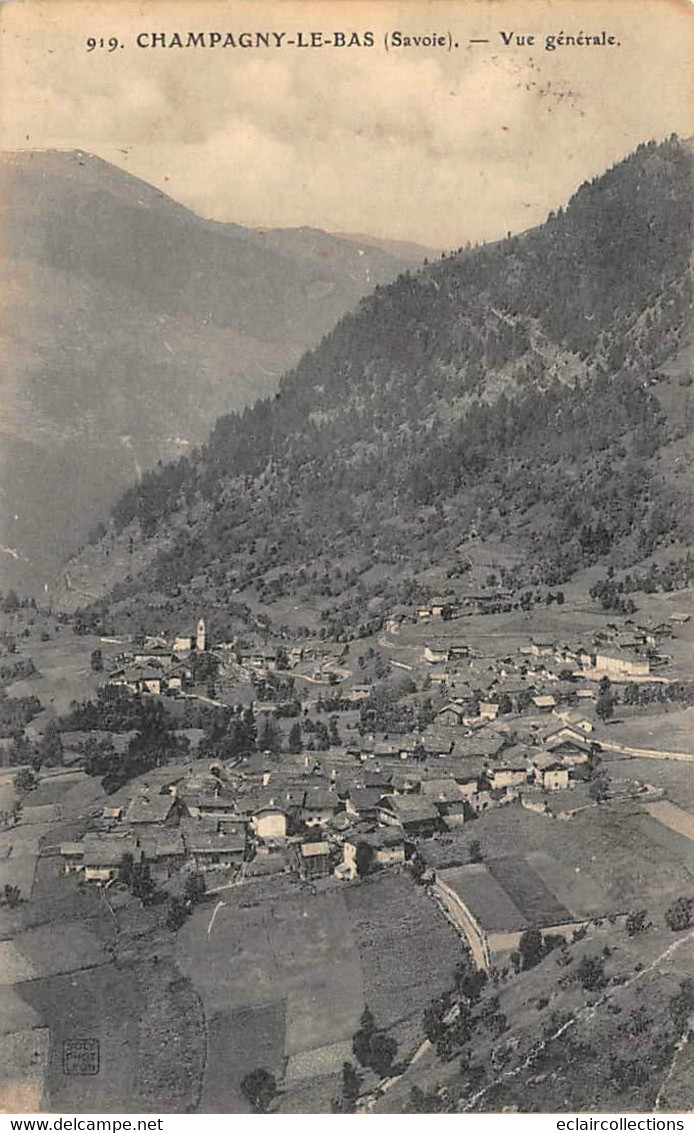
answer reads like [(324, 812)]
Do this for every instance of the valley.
[(348, 768)]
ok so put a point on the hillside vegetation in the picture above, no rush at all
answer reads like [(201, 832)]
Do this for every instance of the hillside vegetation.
[(536, 389)]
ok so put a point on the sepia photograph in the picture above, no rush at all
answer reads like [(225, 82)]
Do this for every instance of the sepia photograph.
[(346, 560)]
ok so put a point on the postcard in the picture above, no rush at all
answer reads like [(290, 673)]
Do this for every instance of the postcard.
[(346, 559)]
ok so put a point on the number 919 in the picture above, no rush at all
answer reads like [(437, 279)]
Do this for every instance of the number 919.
[(107, 44)]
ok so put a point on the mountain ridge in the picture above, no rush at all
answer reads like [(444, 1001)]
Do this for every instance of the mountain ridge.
[(129, 324), (532, 388)]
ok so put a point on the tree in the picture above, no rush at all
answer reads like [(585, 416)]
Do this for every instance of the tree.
[(250, 729), (425, 1103), (605, 703), (294, 740), (177, 914), (383, 1049), (470, 982), (51, 745), (350, 1082), (362, 1039), (334, 732), (679, 915), (270, 737), (195, 887), (24, 780), (12, 895), (456, 1035), (142, 883), (125, 869), (372, 1047), (682, 1004), (591, 973), (432, 1021), (259, 1088), (636, 922), (598, 788), (96, 660), (322, 736), (531, 948), (144, 886), (418, 867), (475, 851), (11, 602)]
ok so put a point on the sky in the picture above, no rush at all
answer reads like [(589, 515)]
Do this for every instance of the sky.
[(420, 144)]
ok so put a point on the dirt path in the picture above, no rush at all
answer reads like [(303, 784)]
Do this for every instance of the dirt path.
[(647, 753)]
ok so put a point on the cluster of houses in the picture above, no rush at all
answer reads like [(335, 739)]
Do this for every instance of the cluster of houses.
[(310, 813), (543, 674), (164, 666), (513, 728)]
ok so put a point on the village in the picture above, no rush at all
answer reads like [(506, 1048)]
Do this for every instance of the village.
[(527, 729), (464, 779)]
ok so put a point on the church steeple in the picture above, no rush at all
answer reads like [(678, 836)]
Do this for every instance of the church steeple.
[(201, 637)]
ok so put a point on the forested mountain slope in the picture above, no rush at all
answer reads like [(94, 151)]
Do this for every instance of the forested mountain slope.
[(537, 388)]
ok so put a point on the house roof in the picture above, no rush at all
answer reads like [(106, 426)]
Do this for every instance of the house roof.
[(544, 701), (456, 709), (544, 761), (108, 851), (444, 790), (410, 808), (383, 837), (320, 799), (482, 742), (365, 798), (222, 801), (215, 843), (143, 673), (562, 740), (162, 844), (149, 808)]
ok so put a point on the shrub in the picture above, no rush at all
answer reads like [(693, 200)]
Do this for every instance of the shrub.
[(679, 915)]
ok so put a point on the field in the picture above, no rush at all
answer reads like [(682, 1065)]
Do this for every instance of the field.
[(671, 730), (408, 951), (621, 855), (676, 778), (64, 672), (528, 891), (283, 982), (19, 849), (147, 1023), (23, 1057), (276, 979)]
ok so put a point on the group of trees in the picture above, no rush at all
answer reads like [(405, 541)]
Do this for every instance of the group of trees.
[(16, 712), (609, 593), (676, 574), (153, 745), (533, 946), (679, 915), (180, 907), (373, 1047), (394, 422), (137, 876)]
